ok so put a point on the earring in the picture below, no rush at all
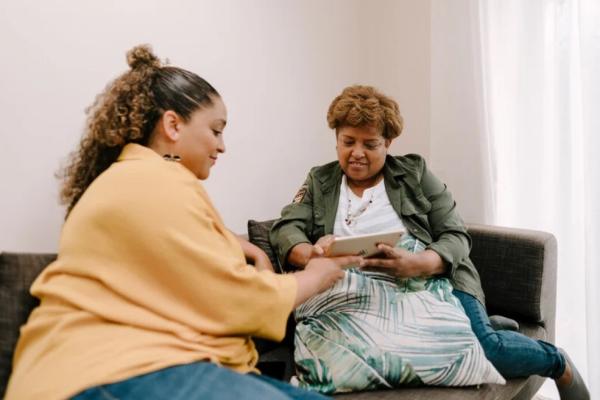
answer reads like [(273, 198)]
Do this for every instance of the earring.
[(172, 157)]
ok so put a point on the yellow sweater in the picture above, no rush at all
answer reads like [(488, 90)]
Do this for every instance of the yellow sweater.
[(147, 277)]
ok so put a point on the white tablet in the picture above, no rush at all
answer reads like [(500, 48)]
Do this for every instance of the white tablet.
[(363, 245)]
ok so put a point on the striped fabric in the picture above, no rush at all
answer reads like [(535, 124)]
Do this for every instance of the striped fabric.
[(372, 331)]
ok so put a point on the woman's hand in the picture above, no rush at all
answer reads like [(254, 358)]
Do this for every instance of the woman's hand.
[(320, 274), (330, 269), (302, 253), (404, 264), (324, 243)]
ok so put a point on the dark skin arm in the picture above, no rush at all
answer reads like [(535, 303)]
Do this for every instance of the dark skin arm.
[(302, 253)]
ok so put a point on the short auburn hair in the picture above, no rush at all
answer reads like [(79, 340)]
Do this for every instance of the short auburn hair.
[(364, 106)]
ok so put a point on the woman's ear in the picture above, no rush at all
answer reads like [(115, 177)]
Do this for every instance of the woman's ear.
[(387, 143), (170, 123)]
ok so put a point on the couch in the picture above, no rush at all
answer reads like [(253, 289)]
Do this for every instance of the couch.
[(517, 268)]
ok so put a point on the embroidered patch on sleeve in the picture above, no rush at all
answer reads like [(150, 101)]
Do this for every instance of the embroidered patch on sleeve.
[(301, 193)]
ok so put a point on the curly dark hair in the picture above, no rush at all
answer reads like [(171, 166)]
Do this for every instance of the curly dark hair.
[(127, 112), (362, 106)]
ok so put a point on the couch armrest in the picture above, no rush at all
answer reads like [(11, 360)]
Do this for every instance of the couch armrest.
[(518, 272), (17, 273)]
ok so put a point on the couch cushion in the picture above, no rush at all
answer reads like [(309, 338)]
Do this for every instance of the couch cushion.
[(17, 272), (258, 234), (528, 258)]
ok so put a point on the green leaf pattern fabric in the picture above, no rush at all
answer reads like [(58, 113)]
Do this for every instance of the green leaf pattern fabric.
[(372, 331)]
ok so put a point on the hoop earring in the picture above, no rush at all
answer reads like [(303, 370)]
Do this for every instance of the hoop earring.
[(172, 157)]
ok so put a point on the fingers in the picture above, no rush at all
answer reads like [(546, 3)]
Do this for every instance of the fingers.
[(318, 250), (388, 250), (264, 265), (324, 243), (328, 239), (377, 263), (347, 261)]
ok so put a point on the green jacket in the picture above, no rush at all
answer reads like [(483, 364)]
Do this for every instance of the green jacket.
[(420, 199)]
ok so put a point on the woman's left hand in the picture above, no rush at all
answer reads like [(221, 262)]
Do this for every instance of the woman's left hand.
[(404, 264)]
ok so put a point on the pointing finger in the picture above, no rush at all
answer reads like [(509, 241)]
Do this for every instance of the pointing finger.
[(388, 250), (348, 261), (377, 262), (318, 250)]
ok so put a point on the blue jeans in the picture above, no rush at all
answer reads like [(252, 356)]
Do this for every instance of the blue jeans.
[(513, 354), (199, 380)]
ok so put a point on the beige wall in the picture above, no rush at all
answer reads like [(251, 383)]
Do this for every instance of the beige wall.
[(396, 58), (277, 63), (459, 152)]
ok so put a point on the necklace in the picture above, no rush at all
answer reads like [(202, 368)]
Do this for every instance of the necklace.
[(351, 217)]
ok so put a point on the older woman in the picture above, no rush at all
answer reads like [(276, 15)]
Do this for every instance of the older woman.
[(366, 191)]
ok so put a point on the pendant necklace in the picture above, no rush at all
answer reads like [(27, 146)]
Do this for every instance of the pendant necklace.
[(351, 217)]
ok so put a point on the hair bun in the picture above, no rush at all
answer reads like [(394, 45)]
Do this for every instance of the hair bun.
[(142, 56)]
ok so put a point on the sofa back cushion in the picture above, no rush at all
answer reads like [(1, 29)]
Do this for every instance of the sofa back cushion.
[(519, 265), (17, 273), (258, 234)]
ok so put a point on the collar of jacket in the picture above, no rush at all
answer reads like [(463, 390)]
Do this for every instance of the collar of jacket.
[(400, 176), (330, 175)]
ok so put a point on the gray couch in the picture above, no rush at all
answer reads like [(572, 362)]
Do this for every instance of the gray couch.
[(517, 267)]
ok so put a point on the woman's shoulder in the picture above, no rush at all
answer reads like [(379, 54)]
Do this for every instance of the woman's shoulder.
[(152, 172), (325, 171), (139, 164), (413, 164), (135, 185)]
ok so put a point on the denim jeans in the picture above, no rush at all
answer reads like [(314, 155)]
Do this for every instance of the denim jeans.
[(199, 380), (513, 354)]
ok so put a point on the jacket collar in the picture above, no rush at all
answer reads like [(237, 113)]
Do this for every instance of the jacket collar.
[(330, 178), (330, 175), (394, 169), (401, 185)]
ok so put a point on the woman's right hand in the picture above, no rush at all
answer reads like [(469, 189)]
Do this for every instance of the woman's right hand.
[(324, 243), (320, 274), (302, 253)]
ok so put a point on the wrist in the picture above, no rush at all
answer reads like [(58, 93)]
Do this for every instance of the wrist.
[(430, 263), (300, 255), (308, 285)]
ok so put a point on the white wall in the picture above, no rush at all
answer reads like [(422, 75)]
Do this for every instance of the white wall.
[(459, 151), (396, 59), (277, 64)]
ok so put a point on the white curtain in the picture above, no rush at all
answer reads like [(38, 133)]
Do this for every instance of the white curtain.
[(541, 85)]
